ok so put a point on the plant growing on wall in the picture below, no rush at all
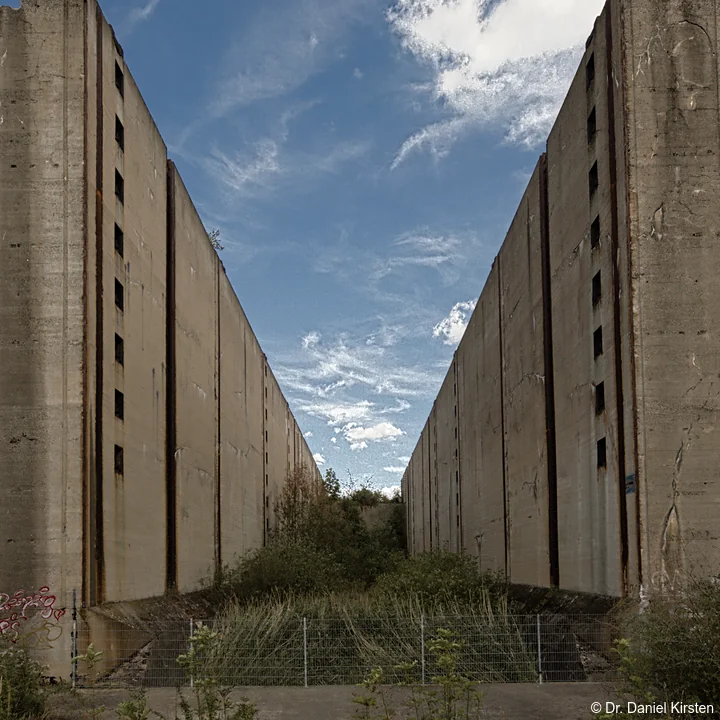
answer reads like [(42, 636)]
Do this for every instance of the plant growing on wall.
[(214, 237)]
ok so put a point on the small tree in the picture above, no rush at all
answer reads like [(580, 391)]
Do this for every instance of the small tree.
[(212, 698)]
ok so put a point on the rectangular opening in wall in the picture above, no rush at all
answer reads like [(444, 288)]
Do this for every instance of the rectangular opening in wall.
[(601, 453), (119, 187), (596, 288), (593, 179), (590, 71), (591, 126), (119, 79), (599, 398), (598, 342), (119, 405), (119, 133), (119, 241), (119, 296), (119, 350), (595, 233), (119, 461)]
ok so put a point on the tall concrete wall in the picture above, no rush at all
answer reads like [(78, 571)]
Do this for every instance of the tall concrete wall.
[(143, 437), (42, 330), (587, 405), (674, 221)]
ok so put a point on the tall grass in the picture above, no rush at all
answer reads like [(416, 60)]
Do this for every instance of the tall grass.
[(262, 642)]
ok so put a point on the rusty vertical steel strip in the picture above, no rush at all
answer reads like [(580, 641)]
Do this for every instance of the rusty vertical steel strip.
[(97, 536), (218, 448), (171, 570), (550, 431), (617, 328), (85, 449)]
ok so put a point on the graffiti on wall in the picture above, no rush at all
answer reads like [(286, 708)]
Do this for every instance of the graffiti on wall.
[(30, 616)]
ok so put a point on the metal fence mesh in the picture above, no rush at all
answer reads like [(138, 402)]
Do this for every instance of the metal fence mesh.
[(342, 650)]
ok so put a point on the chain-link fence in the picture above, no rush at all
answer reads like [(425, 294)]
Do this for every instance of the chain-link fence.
[(341, 650)]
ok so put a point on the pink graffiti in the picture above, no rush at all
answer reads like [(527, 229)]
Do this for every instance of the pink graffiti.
[(14, 610)]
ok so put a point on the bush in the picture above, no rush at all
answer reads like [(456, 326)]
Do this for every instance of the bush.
[(674, 645), (21, 684), (286, 567), (439, 574)]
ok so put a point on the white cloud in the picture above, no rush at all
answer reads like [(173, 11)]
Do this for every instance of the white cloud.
[(501, 64), (358, 446), (333, 440), (319, 459), (391, 492), (452, 328), (394, 469), (358, 74), (143, 13), (404, 460), (381, 431), (309, 434)]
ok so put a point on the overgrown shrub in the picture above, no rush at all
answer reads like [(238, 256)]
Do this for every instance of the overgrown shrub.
[(286, 567), (439, 574), (21, 686), (674, 645)]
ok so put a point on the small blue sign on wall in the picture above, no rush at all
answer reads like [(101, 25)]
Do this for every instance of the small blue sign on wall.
[(630, 484)]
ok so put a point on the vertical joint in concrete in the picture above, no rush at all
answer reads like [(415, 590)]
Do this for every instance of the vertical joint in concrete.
[(97, 563), (553, 540), (617, 327), (171, 570)]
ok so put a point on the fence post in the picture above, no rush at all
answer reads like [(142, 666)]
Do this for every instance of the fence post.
[(540, 671), (305, 664), (422, 646), (74, 640), (192, 650)]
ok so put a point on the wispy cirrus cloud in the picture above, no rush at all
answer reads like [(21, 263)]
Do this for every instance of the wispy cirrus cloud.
[(257, 169), (504, 65), (140, 14), (445, 253), (284, 48)]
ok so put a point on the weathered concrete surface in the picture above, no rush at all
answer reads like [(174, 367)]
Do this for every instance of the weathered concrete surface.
[(671, 73), (133, 501), (523, 374), (632, 258), (42, 231), (570, 701), (125, 474), (588, 514), (197, 376), (481, 430)]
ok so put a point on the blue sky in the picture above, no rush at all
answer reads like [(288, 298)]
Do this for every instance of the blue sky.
[(363, 160)]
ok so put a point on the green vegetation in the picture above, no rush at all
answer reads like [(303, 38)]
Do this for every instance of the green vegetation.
[(671, 652), (451, 695), (343, 590), (21, 692)]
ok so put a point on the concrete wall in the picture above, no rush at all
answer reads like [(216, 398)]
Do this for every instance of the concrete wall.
[(42, 232), (590, 465), (672, 164), (143, 437)]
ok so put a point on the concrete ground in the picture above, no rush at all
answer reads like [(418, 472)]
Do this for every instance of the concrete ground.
[(556, 701)]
